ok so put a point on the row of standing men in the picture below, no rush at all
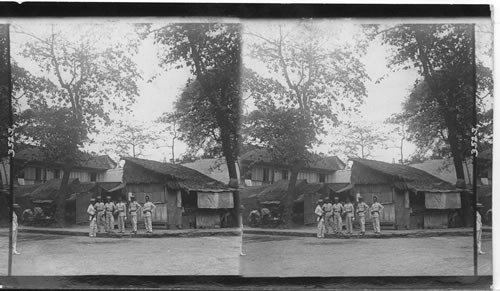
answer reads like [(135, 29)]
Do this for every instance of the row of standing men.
[(101, 215), (329, 216)]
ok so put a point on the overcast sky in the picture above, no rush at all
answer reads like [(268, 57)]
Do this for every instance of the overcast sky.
[(158, 95)]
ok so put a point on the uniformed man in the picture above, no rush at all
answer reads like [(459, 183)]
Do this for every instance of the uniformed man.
[(361, 209), (133, 209), (375, 210), (109, 209), (100, 218), (92, 218), (349, 217), (320, 218), (147, 211), (337, 215), (121, 210), (14, 229), (328, 211), (479, 230)]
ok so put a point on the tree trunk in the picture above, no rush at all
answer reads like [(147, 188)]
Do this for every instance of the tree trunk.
[(287, 217), (456, 154), (61, 198)]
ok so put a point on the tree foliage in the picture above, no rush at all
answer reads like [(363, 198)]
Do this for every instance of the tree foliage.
[(308, 80), (209, 108), (356, 140), (129, 138), (79, 75), (440, 105)]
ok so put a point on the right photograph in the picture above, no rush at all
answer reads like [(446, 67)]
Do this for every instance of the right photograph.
[(366, 147)]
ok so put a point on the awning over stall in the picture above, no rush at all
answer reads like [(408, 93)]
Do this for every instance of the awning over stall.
[(215, 200), (442, 200)]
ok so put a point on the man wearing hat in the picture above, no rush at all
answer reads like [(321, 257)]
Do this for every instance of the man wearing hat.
[(337, 215), (479, 230), (92, 218), (147, 211), (109, 209), (320, 218), (132, 209), (14, 229), (375, 210), (100, 219), (328, 211), (121, 209), (361, 209)]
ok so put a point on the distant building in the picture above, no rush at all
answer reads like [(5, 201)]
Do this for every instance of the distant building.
[(258, 168), (31, 167)]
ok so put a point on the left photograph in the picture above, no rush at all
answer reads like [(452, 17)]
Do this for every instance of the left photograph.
[(125, 148)]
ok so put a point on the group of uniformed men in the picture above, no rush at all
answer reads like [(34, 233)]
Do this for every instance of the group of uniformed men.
[(101, 215), (329, 216)]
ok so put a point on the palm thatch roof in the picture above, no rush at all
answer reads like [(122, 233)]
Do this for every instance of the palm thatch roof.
[(332, 163), (275, 192), (173, 175), (34, 154), (50, 190), (403, 177)]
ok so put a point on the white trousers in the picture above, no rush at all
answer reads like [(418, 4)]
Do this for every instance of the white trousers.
[(148, 223), (93, 228)]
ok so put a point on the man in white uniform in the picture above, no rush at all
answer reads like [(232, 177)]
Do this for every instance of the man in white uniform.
[(121, 209), (479, 229), (337, 215), (328, 212), (14, 230), (375, 210), (361, 209), (320, 218), (147, 211), (109, 209), (349, 211), (133, 208), (100, 219), (92, 218)]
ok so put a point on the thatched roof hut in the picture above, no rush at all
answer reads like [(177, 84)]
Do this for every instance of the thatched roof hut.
[(141, 171), (403, 177)]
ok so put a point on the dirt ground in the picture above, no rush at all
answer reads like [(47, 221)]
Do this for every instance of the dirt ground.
[(58, 255), (297, 256)]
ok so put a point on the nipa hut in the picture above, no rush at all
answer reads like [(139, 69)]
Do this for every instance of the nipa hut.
[(412, 198), (184, 197)]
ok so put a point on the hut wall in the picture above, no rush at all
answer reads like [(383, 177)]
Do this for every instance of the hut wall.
[(402, 208), (174, 208), (384, 194), (156, 194), (436, 218)]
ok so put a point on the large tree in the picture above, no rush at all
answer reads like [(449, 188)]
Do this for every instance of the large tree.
[(440, 105), (212, 52), (309, 78), (80, 72)]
